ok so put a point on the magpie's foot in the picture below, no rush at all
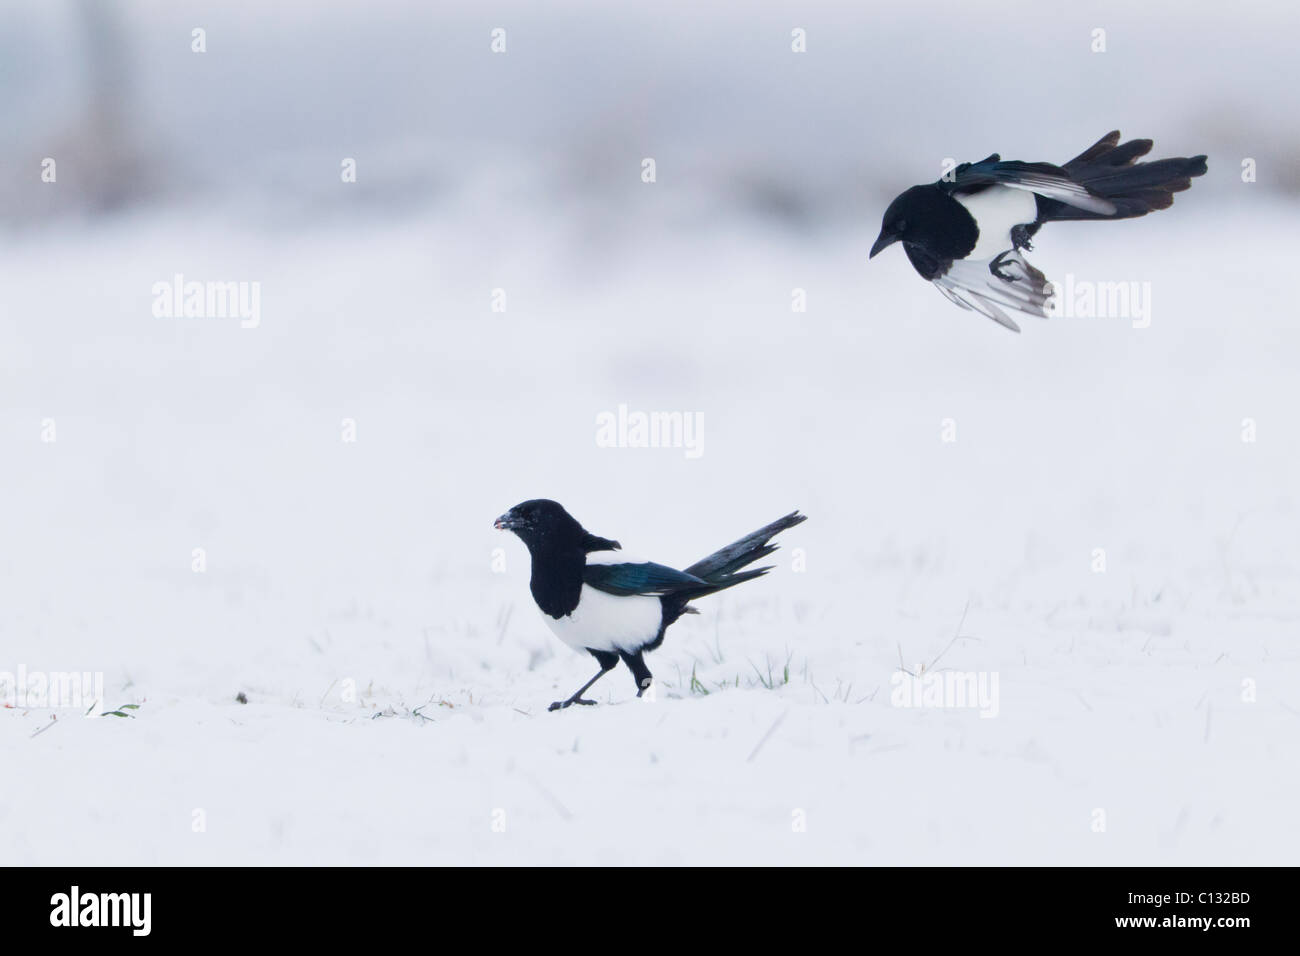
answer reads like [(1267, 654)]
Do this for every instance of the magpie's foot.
[(1020, 237), (561, 704), (996, 267)]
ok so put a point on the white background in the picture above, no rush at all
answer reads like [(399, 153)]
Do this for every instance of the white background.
[(372, 562)]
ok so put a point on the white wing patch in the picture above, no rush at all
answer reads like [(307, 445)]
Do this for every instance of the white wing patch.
[(1062, 190), (971, 285), (613, 557), (608, 622)]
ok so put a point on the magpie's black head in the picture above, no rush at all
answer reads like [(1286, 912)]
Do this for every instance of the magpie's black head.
[(540, 520), (544, 523), (907, 217)]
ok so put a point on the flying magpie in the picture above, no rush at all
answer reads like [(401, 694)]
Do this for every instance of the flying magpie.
[(964, 233), (612, 606)]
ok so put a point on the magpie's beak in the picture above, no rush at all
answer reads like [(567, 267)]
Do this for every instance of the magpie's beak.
[(883, 241), (505, 523)]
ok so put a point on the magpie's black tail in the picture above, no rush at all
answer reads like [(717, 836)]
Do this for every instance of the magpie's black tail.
[(1109, 169), (720, 568)]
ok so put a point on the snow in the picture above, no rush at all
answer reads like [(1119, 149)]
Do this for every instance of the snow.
[(381, 631), (374, 561)]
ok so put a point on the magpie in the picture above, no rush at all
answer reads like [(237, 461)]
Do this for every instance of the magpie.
[(613, 607), (964, 233)]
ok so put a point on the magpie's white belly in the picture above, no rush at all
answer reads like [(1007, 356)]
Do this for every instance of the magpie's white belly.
[(996, 210), (607, 622)]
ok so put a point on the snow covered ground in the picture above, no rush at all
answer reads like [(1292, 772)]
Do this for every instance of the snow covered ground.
[(372, 562), (1100, 518)]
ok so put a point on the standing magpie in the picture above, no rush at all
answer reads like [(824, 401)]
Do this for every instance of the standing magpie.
[(964, 233), (609, 605)]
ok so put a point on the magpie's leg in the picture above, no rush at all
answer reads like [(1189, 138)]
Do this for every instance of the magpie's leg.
[(1020, 236), (608, 661), (640, 673), (996, 267)]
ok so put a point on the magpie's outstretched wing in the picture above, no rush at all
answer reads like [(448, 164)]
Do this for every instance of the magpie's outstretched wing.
[(1046, 180), (642, 578), (971, 285)]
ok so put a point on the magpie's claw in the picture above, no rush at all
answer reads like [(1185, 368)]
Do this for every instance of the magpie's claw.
[(996, 267), (561, 704), (1020, 238)]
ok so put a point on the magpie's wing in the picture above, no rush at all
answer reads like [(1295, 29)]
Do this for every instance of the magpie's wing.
[(642, 578), (1046, 180), (971, 285)]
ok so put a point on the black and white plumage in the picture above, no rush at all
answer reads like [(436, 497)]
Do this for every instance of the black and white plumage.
[(965, 232), (596, 599)]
